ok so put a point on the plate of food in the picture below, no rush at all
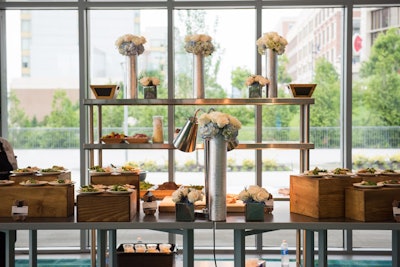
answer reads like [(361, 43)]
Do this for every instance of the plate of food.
[(61, 182), (341, 172), (315, 173), (98, 170), (25, 171), (113, 138), (33, 182), (367, 172), (120, 189), (390, 183), (137, 139), (89, 189), (368, 184), (390, 172), (6, 182)]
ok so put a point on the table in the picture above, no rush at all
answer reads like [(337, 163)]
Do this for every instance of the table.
[(161, 222), (281, 218)]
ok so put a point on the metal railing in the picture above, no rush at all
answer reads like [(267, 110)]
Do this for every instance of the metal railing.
[(322, 137)]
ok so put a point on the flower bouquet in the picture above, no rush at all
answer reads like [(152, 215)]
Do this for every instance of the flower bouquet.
[(273, 41), (149, 81), (184, 199), (217, 123), (199, 44), (256, 79), (258, 195), (130, 45)]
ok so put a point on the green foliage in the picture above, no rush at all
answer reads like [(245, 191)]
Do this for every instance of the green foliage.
[(64, 113), (283, 76), (248, 165), (326, 110), (381, 78), (17, 116), (239, 76)]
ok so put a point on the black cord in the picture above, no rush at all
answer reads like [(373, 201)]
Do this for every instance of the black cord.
[(215, 258)]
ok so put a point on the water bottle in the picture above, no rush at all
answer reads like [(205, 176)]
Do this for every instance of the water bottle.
[(284, 254)]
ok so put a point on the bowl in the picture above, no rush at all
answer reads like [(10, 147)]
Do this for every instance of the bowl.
[(142, 175)]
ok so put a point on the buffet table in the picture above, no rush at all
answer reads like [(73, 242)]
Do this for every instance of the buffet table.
[(281, 218)]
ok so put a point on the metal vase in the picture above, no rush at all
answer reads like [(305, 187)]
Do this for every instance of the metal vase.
[(198, 76), (216, 178), (186, 139), (272, 72), (131, 77)]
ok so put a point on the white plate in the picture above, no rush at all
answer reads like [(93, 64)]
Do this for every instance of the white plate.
[(39, 183), (50, 173), (389, 185), (60, 184), (120, 192), (6, 182), (21, 173), (359, 185)]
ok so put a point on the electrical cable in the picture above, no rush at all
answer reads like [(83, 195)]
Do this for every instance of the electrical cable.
[(215, 258)]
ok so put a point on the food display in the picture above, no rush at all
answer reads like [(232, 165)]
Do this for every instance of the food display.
[(101, 170), (341, 172), (61, 182), (33, 182), (316, 172), (367, 172), (390, 172), (137, 138), (368, 184), (120, 189), (113, 138), (6, 182), (390, 183), (25, 171), (89, 189)]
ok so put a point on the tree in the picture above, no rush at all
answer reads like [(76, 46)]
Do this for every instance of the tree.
[(381, 73), (239, 76), (17, 116), (326, 110), (64, 113)]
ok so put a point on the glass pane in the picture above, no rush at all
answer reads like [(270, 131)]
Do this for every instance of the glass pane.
[(43, 82), (226, 68)]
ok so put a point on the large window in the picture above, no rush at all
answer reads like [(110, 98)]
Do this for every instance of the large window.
[(46, 50)]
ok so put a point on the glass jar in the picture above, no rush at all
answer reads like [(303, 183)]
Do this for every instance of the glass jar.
[(158, 135)]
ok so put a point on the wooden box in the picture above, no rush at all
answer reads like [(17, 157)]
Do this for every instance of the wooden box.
[(370, 205), (124, 178), (319, 197), (145, 259), (43, 201), (106, 207)]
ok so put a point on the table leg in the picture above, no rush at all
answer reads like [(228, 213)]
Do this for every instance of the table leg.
[(32, 248), (239, 247), (298, 248), (10, 247), (188, 247), (322, 248), (308, 248), (101, 247), (112, 246), (395, 248)]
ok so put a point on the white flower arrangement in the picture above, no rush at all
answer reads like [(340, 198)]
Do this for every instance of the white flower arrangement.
[(271, 40), (130, 45), (148, 81), (256, 79), (214, 123), (254, 193), (187, 195), (199, 44)]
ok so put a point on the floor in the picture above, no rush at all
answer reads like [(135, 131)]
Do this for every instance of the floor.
[(208, 261)]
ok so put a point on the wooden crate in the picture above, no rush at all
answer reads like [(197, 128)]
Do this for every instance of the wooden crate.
[(106, 207), (47, 178), (370, 205), (128, 178), (319, 197), (43, 201)]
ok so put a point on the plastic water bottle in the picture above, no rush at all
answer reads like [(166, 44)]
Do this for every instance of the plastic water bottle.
[(284, 254)]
